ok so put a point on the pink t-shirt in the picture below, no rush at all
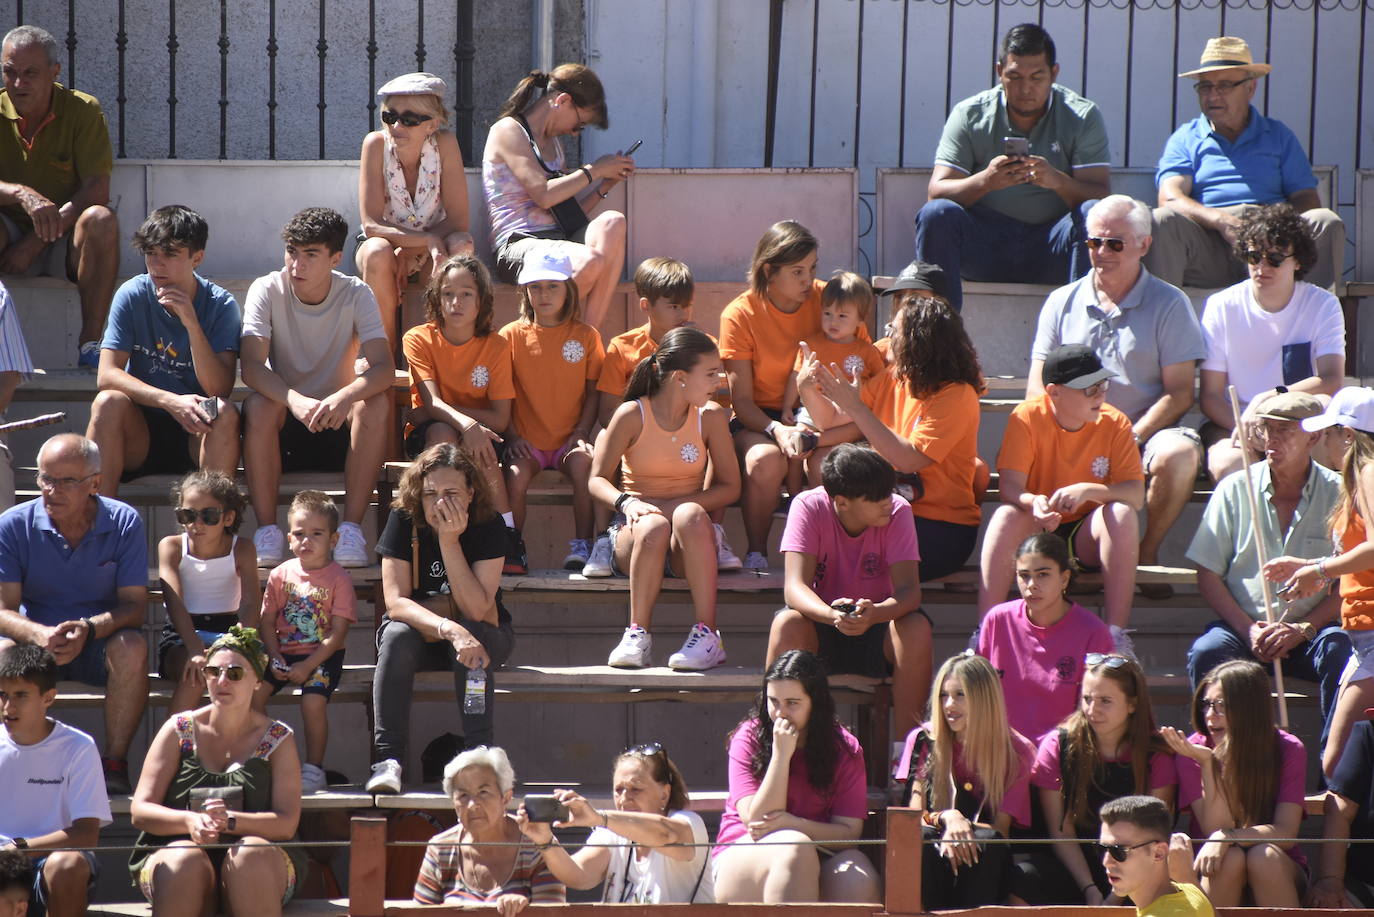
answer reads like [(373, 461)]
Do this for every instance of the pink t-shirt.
[(1041, 667), (1292, 781), (848, 796), (1016, 801), (1046, 773), (848, 566), (301, 604)]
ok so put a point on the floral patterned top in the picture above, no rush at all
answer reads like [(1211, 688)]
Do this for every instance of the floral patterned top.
[(509, 204), (426, 208)]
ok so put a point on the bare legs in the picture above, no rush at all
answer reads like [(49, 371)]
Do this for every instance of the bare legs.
[(776, 872), (764, 468), (646, 543), (118, 428), (597, 266)]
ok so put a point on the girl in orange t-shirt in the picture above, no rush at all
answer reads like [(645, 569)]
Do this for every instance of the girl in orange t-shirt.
[(460, 373), (661, 439), (759, 333), (556, 361)]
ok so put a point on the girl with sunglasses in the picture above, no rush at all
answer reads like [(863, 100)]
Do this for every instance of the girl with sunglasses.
[(1242, 780), (1106, 749), (643, 848), (224, 774), (970, 771), (796, 776), (412, 192), (209, 580)]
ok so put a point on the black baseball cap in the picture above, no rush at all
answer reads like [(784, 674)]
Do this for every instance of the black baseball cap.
[(920, 275), (1074, 366)]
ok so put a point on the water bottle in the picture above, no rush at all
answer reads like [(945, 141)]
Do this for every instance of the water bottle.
[(475, 694)]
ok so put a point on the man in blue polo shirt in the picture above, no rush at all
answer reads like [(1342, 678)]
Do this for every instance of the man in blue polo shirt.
[(1015, 167), (73, 579), (1226, 159)]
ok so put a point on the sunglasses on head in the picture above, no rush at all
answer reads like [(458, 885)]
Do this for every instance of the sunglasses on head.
[(647, 750), (408, 118), (1110, 660), (1096, 242), (1274, 258), (1119, 852), (231, 672), (210, 515)]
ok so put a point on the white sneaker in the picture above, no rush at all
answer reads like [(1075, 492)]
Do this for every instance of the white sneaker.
[(1122, 642), (632, 652), (313, 779), (270, 544), (578, 551), (351, 551), (703, 650), (755, 561), (726, 559), (386, 777), (599, 563)]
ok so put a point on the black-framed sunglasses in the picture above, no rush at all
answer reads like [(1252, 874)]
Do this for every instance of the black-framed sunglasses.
[(210, 515), (1110, 660), (1119, 852), (231, 672), (408, 118), (1275, 259), (1096, 242)]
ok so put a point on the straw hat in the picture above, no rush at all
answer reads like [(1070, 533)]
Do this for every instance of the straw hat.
[(1226, 53)]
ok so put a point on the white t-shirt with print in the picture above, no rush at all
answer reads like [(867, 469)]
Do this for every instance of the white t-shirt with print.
[(47, 786)]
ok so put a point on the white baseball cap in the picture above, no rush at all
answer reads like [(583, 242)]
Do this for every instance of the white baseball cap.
[(548, 266), (1352, 406)]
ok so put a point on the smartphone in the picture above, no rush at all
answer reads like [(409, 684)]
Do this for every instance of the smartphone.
[(1018, 147), (631, 150), (848, 609), (210, 407), (544, 808)]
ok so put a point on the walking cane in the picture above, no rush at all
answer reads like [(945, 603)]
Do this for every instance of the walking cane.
[(1263, 552)]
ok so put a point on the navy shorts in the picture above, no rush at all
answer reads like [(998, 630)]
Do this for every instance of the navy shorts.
[(169, 446), (38, 895), (302, 450), (88, 667), (322, 681)]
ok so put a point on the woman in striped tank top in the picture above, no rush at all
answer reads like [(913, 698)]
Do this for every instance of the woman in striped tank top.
[(660, 441)]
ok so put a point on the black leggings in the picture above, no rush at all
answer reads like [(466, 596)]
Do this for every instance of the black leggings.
[(944, 546), (983, 883)]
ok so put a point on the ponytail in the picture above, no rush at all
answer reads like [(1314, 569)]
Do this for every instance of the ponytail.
[(678, 350), (577, 80), (526, 91)]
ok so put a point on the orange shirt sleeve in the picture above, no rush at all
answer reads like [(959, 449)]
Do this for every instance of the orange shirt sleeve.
[(502, 384), (1018, 443), (615, 371), (736, 333), (873, 361), (415, 344), (596, 353)]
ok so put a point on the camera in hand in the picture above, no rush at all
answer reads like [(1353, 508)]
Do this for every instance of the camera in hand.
[(544, 808)]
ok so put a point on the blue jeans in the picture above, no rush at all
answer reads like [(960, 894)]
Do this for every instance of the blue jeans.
[(979, 243), (1321, 660)]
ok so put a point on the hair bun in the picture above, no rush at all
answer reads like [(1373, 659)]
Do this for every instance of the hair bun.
[(539, 78)]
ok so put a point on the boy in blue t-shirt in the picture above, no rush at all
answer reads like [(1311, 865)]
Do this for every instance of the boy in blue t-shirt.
[(167, 362)]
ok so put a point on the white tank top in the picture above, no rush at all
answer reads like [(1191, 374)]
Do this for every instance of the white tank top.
[(209, 587)]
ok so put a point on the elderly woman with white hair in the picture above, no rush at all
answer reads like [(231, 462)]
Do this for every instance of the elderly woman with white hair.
[(412, 192), (459, 868)]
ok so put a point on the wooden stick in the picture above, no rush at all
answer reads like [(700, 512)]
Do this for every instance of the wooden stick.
[(1261, 549), (42, 420)]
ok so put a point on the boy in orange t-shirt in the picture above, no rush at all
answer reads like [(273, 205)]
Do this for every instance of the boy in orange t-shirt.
[(1069, 464)]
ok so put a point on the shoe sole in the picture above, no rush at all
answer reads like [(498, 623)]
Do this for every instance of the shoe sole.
[(574, 565), (386, 790), (596, 573), (627, 665), (679, 667), (512, 570), (730, 568)]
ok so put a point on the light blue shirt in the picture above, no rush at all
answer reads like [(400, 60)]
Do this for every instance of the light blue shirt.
[(1264, 165), (158, 344)]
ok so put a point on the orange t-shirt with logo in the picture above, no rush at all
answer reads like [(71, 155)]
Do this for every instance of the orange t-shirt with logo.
[(944, 427), (752, 329), (1101, 452), (623, 354), (1357, 589), (857, 357), (468, 375), (551, 367)]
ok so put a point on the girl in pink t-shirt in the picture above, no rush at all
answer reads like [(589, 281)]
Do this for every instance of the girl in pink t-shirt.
[(970, 770), (1038, 642), (1106, 749), (1242, 779), (796, 776)]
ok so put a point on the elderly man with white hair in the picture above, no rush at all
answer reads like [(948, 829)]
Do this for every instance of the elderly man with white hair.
[(1146, 332)]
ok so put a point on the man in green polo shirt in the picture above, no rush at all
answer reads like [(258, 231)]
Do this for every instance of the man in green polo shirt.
[(55, 162), (1017, 168)]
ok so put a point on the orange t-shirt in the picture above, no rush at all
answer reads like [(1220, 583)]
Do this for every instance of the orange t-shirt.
[(551, 367), (469, 375), (1357, 589), (623, 354), (945, 428), (858, 356), (1103, 451), (751, 329)]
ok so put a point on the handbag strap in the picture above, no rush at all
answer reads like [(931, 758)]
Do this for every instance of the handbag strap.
[(534, 147)]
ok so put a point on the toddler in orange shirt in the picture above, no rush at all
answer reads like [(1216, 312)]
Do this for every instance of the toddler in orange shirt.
[(556, 359)]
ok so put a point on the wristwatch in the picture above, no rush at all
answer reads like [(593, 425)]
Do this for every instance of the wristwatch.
[(1307, 629), (233, 824), (21, 843)]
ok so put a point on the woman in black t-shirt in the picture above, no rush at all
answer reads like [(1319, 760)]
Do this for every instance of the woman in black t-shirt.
[(442, 553)]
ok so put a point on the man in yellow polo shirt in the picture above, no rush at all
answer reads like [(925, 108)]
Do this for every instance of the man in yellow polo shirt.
[(55, 162)]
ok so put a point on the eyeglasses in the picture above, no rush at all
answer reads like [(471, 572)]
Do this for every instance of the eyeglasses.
[(48, 482), (1096, 242), (1110, 660), (408, 118), (1267, 430), (1097, 388), (210, 515), (1275, 259), (1215, 706), (231, 672), (1119, 852), (1221, 86)]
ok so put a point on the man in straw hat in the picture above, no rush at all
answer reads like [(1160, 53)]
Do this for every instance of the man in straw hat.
[(1295, 497), (1228, 158)]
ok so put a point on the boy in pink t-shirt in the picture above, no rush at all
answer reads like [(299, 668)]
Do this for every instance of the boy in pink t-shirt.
[(306, 609), (852, 580)]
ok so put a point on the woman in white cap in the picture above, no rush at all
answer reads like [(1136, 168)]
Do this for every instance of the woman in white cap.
[(412, 193), (538, 201), (1352, 409)]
